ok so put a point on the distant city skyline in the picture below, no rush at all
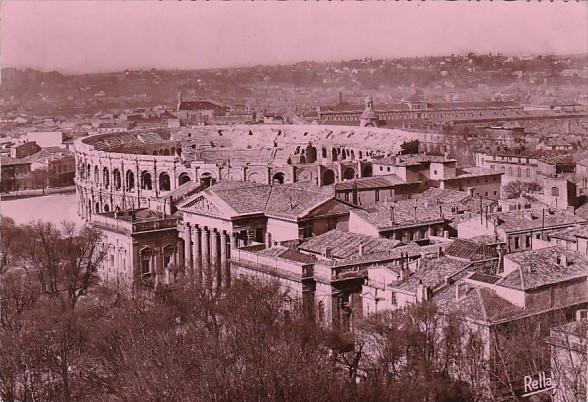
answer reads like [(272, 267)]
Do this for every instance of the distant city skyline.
[(85, 37)]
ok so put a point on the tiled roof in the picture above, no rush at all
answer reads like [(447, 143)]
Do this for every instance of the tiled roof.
[(412, 159), (243, 197), (470, 250), (432, 273), (400, 213), (542, 267), (535, 219), (290, 201), (411, 249), (346, 244), (8, 161), (370, 182), (288, 254), (569, 234)]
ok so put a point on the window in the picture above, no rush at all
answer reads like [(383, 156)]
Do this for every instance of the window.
[(516, 243), (381, 168), (495, 193), (377, 195), (555, 191), (528, 241), (393, 299), (434, 172), (388, 168)]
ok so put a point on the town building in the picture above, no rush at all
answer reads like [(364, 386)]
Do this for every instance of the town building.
[(15, 174), (518, 229)]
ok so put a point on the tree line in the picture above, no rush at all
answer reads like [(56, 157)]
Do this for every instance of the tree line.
[(65, 337)]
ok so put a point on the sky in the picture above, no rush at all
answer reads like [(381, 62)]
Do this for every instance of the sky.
[(97, 36)]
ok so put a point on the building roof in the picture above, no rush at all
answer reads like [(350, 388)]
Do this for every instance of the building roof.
[(543, 267), (346, 244), (413, 160), (288, 254), (432, 273), (470, 250), (399, 214), (8, 161), (530, 219), (289, 201), (370, 182)]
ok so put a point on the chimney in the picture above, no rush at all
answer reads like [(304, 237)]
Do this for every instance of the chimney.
[(500, 250), (328, 252), (268, 239), (440, 252), (446, 234), (404, 273), (392, 217), (423, 293), (360, 251), (460, 291), (562, 260)]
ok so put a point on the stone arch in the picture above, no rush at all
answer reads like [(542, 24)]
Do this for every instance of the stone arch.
[(155, 153), (164, 182), (233, 175), (348, 173), (183, 179), (302, 159), (334, 154), (116, 179), (106, 208), (278, 178), (96, 175), (328, 177), (352, 153), (207, 179), (311, 154), (304, 176), (106, 177), (97, 208), (360, 155), (255, 177), (166, 152), (130, 180), (324, 152), (146, 181)]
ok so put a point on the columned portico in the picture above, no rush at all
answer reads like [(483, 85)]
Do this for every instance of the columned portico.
[(197, 253), (214, 272), (188, 266), (224, 266), (206, 277)]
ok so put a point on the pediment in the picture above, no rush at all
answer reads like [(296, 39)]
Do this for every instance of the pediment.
[(203, 205)]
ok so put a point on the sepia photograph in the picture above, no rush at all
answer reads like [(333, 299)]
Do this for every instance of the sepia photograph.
[(293, 201)]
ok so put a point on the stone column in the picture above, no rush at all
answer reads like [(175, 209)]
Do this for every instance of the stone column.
[(234, 240), (214, 261), (205, 257), (197, 253), (224, 265), (188, 267)]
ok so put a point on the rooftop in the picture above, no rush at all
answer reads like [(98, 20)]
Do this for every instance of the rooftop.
[(344, 245), (401, 213), (543, 267), (535, 219)]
